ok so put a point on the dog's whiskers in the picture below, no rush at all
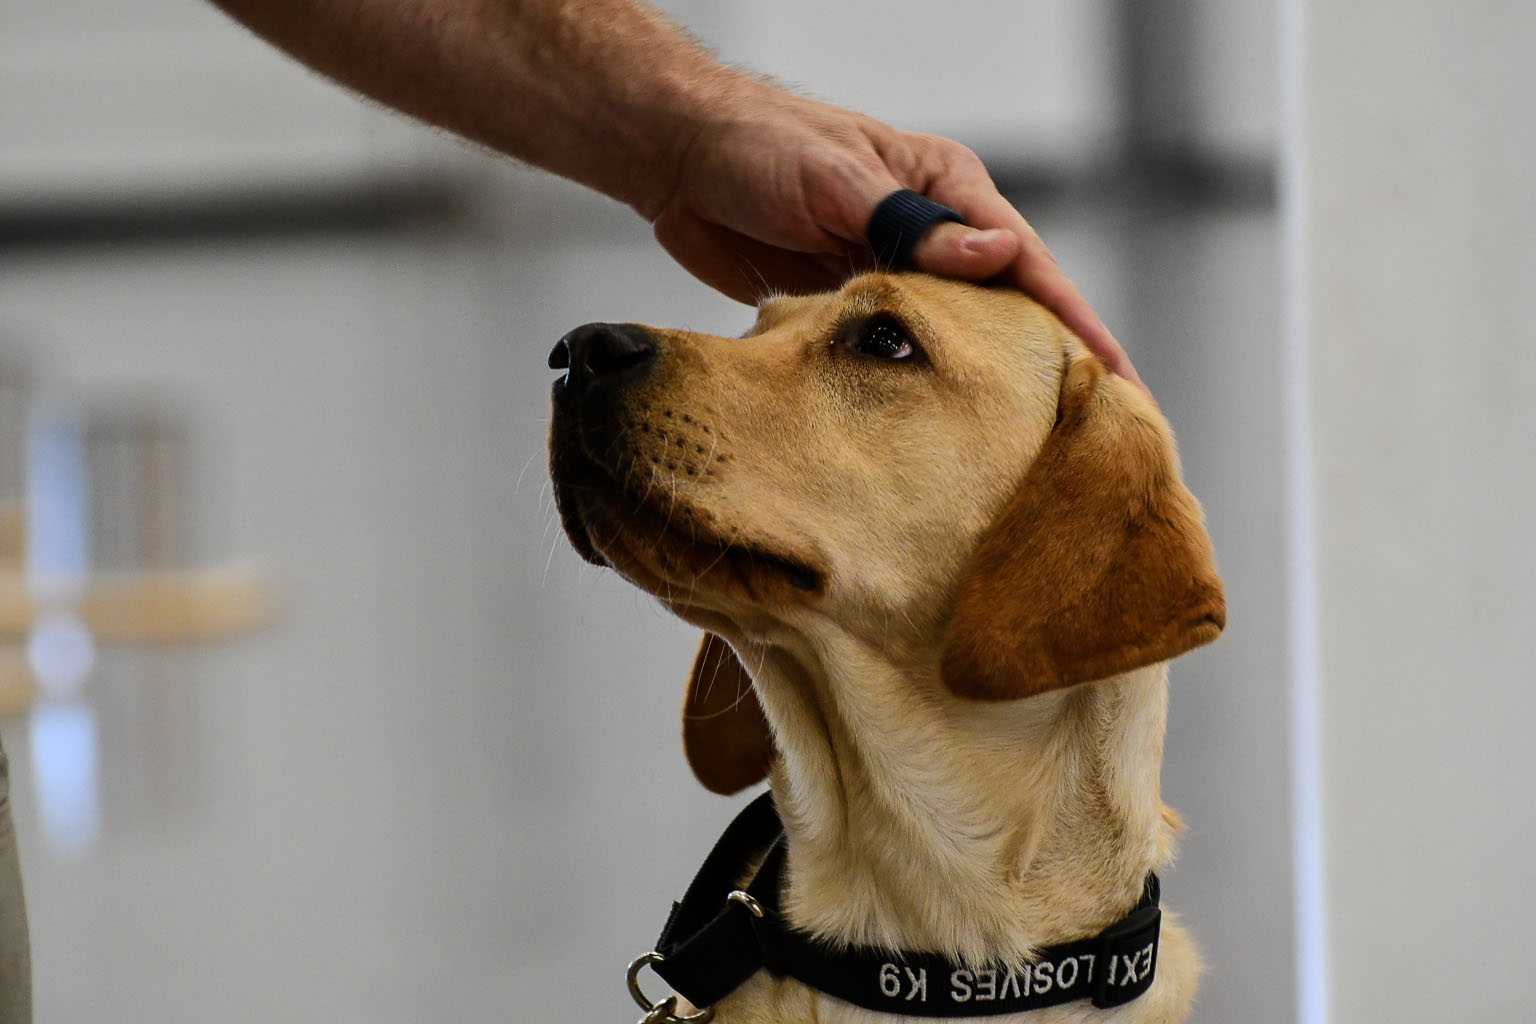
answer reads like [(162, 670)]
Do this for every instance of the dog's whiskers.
[(767, 289), (517, 485), (549, 560)]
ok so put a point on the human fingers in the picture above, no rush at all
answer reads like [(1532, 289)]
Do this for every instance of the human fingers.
[(956, 250), (740, 266), (1034, 269)]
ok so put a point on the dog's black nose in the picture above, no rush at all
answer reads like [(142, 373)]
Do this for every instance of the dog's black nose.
[(595, 351)]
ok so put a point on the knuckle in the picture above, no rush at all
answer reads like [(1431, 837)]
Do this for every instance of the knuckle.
[(960, 157)]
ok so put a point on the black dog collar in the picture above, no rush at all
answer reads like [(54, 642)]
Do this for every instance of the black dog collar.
[(900, 222), (719, 935)]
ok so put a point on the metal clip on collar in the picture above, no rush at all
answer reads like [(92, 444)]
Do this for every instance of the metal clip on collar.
[(662, 1012)]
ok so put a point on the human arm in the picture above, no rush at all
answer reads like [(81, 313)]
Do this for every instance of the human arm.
[(751, 187)]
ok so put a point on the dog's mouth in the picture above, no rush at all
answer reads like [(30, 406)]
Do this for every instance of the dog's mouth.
[(616, 517)]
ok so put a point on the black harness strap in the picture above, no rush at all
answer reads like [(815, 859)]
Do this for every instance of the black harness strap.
[(708, 942), (716, 938)]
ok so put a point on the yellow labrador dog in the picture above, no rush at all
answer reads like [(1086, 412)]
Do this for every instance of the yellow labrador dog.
[(942, 558)]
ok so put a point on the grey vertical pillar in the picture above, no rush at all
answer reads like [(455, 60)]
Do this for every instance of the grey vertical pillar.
[(1414, 158)]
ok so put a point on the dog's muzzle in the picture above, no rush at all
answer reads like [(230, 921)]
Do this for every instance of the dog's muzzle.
[(601, 362), (598, 357)]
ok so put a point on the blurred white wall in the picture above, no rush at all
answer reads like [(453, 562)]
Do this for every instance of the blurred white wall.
[(171, 101), (1036, 79), (1417, 157)]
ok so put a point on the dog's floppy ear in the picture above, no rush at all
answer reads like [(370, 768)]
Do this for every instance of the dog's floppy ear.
[(1099, 563), (725, 735)]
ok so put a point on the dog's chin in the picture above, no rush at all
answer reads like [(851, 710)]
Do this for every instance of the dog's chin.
[(673, 552)]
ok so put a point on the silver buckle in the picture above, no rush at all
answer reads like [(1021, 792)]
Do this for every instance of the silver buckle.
[(662, 1012)]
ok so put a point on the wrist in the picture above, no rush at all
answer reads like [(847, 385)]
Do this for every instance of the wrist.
[(690, 108)]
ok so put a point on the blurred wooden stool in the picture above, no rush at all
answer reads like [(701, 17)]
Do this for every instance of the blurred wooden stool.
[(16, 684), (13, 535), (111, 555), (165, 608)]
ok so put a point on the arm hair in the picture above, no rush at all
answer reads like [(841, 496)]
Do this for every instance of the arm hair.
[(608, 93)]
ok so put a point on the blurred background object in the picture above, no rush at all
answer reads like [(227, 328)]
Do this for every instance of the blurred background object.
[(148, 583), (402, 802), (103, 559), (101, 532), (16, 687), (15, 399), (137, 463)]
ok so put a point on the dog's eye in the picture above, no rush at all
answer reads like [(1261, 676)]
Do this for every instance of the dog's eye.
[(884, 338)]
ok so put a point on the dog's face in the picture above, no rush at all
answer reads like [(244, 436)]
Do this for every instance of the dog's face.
[(844, 455), (930, 465)]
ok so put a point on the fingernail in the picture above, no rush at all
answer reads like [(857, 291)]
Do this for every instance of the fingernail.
[(981, 241)]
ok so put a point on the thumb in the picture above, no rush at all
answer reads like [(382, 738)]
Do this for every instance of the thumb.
[(955, 250)]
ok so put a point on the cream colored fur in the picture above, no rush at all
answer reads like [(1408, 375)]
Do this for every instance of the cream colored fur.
[(983, 830), (916, 819)]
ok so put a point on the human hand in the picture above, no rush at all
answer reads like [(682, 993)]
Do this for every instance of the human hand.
[(774, 192)]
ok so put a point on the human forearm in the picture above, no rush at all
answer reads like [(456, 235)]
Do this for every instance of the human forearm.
[(605, 92), (752, 188)]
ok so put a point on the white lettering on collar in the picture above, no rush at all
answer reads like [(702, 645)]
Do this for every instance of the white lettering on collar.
[(991, 985), (1131, 967), (917, 981)]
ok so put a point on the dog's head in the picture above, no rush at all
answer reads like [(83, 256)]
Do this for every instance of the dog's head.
[(937, 468)]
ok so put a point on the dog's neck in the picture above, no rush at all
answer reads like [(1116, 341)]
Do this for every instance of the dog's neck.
[(916, 821)]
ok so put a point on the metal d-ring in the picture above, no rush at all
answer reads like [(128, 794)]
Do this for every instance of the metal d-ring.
[(747, 900), (660, 1013)]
